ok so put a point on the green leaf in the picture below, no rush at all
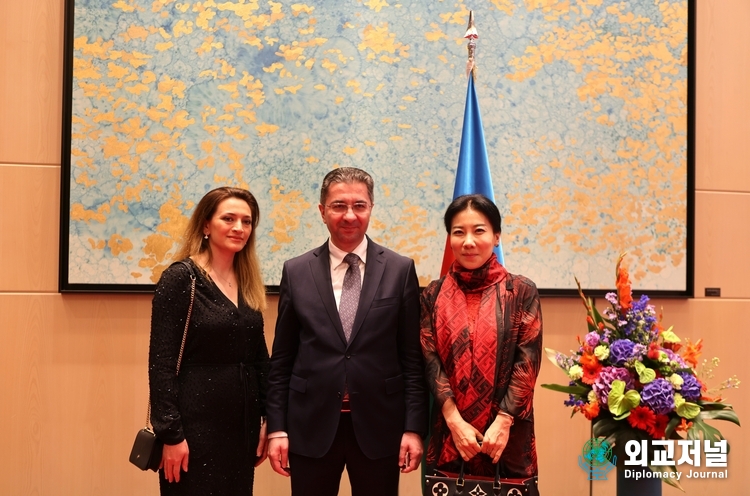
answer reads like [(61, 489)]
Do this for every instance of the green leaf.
[(688, 410), (714, 405), (606, 427), (702, 430), (579, 390), (623, 416), (669, 336), (728, 415), (620, 402), (645, 374), (671, 426), (597, 316)]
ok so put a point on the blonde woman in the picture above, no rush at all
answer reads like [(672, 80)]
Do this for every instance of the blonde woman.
[(211, 417)]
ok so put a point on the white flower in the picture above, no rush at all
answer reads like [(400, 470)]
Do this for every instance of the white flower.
[(601, 352), (575, 372), (676, 381)]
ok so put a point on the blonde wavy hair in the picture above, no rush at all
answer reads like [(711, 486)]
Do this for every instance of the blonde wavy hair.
[(246, 265)]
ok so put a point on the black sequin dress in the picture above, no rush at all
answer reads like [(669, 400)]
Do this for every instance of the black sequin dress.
[(218, 398)]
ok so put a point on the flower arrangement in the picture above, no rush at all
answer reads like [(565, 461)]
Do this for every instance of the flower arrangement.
[(633, 378)]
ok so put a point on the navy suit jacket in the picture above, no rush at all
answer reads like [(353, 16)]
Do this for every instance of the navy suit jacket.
[(382, 363)]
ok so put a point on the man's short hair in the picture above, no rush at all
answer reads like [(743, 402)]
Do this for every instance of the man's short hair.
[(347, 175)]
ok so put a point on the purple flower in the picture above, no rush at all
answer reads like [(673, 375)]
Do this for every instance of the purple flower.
[(674, 357), (639, 350), (609, 313), (620, 351), (659, 396), (603, 383), (691, 388), (574, 401), (612, 298), (592, 339)]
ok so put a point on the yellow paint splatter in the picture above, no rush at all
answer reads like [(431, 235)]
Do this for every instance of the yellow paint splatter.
[(264, 129), (79, 213), (376, 5), (286, 214), (377, 39), (117, 244)]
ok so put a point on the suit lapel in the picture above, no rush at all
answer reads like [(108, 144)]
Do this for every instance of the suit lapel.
[(374, 269), (321, 271)]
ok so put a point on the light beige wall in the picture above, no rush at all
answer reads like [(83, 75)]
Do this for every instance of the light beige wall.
[(73, 367)]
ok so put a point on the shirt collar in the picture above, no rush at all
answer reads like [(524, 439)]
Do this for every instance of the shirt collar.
[(337, 254)]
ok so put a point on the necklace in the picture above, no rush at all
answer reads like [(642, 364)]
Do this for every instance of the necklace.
[(219, 276)]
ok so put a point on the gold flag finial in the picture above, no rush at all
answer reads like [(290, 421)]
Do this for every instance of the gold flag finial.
[(471, 35)]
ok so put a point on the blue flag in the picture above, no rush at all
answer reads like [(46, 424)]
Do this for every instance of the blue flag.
[(473, 173)]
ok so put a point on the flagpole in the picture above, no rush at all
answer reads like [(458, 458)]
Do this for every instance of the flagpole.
[(473, 171)]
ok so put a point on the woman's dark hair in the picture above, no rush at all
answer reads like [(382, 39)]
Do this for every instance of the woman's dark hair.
[(478, 203)]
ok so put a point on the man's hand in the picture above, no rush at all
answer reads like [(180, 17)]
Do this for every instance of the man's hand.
[(411, 451), (496, 437), (173, 458), (278, 454)]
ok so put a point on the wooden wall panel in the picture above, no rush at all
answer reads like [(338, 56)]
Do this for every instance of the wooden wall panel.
[(77, 392), (723, 101), (31, 49), (29, 228), (559, 438), (722, 238), (719, 323)]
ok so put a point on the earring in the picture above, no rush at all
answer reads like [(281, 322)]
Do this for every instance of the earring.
[(205, 236)]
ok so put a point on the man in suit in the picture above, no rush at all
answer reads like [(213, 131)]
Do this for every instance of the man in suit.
[(346, 385)]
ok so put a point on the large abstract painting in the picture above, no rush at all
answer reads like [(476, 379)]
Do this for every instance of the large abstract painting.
[(586, 106)]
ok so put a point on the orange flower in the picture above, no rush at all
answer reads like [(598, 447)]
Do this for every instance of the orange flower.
[(588, 359), (658, 325), (590, 410), (624, 295), (692, 352), (684, 426), (590, 373)]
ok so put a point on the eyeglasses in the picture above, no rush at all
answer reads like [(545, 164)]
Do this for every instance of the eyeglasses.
[(342, 208)]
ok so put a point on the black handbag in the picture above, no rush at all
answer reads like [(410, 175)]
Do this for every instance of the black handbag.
[(147, 448), (441, 483)]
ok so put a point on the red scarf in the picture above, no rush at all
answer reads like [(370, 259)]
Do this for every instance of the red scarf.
[(468, 346)]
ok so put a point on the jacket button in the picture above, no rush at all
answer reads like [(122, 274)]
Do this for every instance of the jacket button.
[(348, 356)]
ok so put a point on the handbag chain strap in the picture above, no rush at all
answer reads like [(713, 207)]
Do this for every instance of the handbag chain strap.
[(184, 336)]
